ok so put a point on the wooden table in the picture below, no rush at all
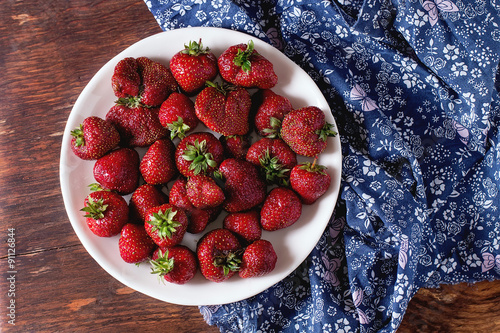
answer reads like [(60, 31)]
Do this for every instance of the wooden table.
[(49, 50)]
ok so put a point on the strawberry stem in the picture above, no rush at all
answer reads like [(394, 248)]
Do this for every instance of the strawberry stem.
[(273, 170), (163, 265), (164, 223), (95, 209), (78, 134), (230, 261), (178, 128), (242, 58), (199, 157), (195, 48), (326, 131)]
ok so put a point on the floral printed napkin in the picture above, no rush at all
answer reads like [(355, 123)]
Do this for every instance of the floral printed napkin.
[(414, 88)]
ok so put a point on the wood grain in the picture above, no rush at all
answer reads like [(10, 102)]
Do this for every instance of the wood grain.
[(49, 50)]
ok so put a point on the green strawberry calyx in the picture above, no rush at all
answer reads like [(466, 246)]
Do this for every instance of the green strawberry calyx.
[(163, 222), (199, 157), (326, 131), (178, 128), (95, 209), (242, 58), (313, 167), (223, 88), (162, 265), (77, 133), (194, 48), (130, 101), (273, 170), (229, 261), (273, 131)]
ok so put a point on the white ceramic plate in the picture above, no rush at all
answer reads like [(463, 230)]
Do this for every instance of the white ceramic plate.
[(292, 244)]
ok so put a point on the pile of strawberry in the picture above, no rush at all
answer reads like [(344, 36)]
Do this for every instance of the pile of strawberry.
[(257, 183)]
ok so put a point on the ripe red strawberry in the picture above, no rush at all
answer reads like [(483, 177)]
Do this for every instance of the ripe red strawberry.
[(106, 213), (235, 145), (224, 109), (305, 130), (138, 126), (158, 164), (245, 224), (203, 192), (242, 65), (274, 158), (134, 244), (166, 224), (244, 188), (281, 209), (310, 181), (258, 259), (198, 153), (178, 115), (219, 255), (118, 170), (271, 108), (177, 264), (145, 197), (142, 82), (193, 66), (198, 218), (126, 80), (94, 138), (157, 82)]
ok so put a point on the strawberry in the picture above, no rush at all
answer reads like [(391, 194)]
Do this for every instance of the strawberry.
[(258, 259), (118, 170), (178, 115), (145, 197), (94, 138), (198, 153), (158, 164), (166, 224), (126, 80), (242, 65), (157, 82), (274, 158), (243, 188), (235, 145), (224, 109), (203, 192), (245, 224), (305, 130), (177, 264), (106, 213), (281, 209), (138, 126), (198, 218), (193, 66), (310, 181), (218, 254), (271, 108), (142, 82), (134, 244)]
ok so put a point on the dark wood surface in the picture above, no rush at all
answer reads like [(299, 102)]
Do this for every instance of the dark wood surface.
[(49, 50)]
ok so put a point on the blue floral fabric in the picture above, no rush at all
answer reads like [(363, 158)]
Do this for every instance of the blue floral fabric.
[(414, 88)]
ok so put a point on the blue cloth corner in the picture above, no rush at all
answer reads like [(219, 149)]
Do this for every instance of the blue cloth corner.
[(414, 88)]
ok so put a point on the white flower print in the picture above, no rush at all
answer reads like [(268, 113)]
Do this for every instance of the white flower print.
[(437, 186), (342, 326), (370, 169), (448, 265), (459, 69), (451, 52)]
